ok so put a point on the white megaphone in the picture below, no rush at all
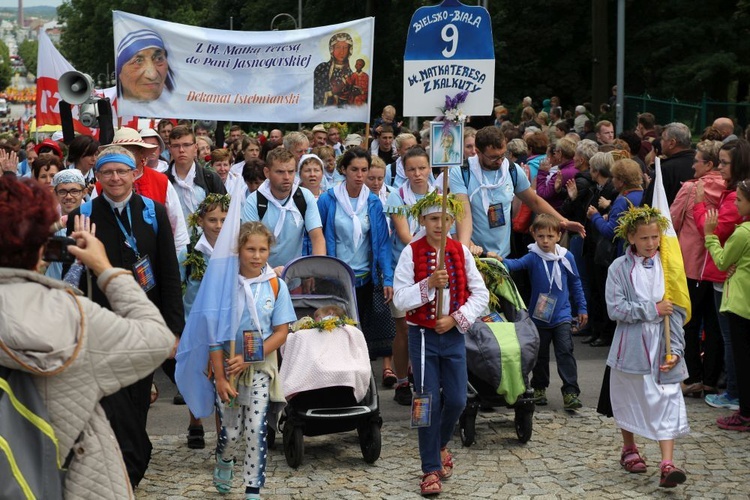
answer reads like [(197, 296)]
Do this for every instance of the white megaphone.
[(75, 87)]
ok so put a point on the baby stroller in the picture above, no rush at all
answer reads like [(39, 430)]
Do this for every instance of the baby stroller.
[(500, 355), (316, 281)]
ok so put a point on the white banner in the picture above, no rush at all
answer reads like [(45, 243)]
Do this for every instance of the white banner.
[(172, 70)]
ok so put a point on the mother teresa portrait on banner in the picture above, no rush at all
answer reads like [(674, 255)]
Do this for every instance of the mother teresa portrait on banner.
[(142, 67)]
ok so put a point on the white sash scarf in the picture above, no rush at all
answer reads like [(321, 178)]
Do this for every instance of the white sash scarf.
[(410, 198), (187, 186), (476, 171), (342, 196), (266, 274), (557, 257), (289, 206)]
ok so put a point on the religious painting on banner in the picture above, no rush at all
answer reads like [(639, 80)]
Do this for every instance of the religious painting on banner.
[(446, 143), (315, 74), (449, 50)]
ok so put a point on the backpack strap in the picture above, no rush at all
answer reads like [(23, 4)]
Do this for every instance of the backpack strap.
[(513, 175), (86, 208), (299, 199), (393, 173), (275, 286), (261, 204), (466, 173), (149, 213)]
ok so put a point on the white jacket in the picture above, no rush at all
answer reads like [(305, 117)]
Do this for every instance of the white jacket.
[(44, 327)]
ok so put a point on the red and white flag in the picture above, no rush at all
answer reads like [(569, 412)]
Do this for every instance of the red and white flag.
[(50, 67)]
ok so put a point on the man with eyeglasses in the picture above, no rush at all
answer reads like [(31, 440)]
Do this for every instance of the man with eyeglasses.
[(486, 189), (192, 182), (69, 187), (137, 236)]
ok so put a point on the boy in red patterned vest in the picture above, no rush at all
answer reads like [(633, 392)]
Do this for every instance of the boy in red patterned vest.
[(436, 344)]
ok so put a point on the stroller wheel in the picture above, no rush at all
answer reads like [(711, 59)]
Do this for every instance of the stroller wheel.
[(467, 427), (524, 421), (370, 441), (294, 446)]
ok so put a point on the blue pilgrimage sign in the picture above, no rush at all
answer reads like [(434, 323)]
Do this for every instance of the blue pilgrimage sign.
[(449, 49)]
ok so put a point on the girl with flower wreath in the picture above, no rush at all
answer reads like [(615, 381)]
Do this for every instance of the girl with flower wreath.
[(644, 384)]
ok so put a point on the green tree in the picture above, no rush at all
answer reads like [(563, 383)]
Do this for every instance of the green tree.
[(5, 70), (28, 50)]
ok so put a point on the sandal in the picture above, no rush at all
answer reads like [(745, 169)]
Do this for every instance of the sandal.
[(447, 470), (632, 461), (389, 378), (431, 484), (223, 474), (195, 439), (154, 393)]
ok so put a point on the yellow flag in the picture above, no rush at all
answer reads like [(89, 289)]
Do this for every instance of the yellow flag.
[(675, 281)]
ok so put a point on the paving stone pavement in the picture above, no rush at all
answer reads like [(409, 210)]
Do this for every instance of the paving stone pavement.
[(570, 456)]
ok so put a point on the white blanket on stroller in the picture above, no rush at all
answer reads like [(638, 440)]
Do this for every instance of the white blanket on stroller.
[(316, 359)]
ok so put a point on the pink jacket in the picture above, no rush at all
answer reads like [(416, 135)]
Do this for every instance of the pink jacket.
[(729, 218), (691, 239)]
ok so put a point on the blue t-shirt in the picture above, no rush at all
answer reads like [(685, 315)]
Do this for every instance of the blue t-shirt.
[(272, 312), (289, 242), (491, 239), (360, 259)]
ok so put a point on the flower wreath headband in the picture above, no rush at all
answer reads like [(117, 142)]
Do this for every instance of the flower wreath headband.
[(635, 216), (212, 199), (433, 202)]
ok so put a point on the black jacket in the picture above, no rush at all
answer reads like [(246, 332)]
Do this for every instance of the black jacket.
[(675, 170), (167, 294)]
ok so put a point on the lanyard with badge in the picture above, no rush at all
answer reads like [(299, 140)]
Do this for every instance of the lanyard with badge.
[(545, 303), (495, 211), (421, 403), (144, 273), (252, 340)]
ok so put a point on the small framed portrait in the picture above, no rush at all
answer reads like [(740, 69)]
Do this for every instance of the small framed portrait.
[(446, 144)]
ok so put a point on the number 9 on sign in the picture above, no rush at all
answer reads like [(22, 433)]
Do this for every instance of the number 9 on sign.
[(449, 34)]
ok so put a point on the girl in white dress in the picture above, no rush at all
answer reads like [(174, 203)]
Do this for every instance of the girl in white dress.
[(645, 381)]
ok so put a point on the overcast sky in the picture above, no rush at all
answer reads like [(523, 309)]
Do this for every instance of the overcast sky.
[(30, 3)]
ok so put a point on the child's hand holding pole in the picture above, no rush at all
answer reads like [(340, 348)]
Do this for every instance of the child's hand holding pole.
[(665, 309)]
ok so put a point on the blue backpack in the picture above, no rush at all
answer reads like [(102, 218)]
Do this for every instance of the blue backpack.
[(149, 212)]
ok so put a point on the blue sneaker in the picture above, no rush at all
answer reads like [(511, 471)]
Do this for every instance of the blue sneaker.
[(723, 401)]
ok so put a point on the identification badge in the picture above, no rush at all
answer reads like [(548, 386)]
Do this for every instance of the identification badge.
[(144, 273), (421, 410), (496, 215), (545, 307), (252, 346)]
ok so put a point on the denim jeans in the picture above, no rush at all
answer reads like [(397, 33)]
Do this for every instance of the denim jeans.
[(728, 354), (567, 368), (444, 368)]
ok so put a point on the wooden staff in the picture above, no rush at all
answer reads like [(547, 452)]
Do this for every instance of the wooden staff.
[(667, 336), (232, 344), (366, 141), (443, 234)]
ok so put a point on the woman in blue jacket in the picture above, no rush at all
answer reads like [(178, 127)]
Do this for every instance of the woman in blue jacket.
[(356, 232)]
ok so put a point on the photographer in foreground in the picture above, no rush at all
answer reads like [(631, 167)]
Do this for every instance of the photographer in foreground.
[(76, 350)]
